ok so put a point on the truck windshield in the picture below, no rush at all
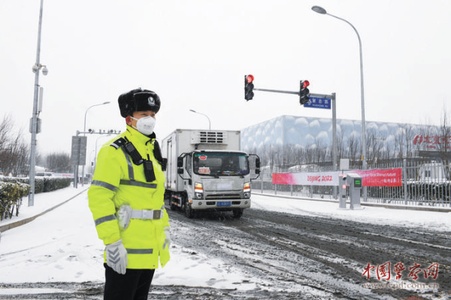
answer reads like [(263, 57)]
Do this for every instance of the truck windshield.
[(220, 163)]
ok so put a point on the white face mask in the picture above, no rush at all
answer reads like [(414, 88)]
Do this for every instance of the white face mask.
[(145, 125)]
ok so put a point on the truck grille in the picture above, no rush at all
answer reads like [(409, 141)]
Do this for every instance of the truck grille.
[(223, 196)]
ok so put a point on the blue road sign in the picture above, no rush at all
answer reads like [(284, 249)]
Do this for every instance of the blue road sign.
[(318, 102)]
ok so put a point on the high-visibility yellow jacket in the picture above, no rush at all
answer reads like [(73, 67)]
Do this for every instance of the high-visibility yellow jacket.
[(118, 181)]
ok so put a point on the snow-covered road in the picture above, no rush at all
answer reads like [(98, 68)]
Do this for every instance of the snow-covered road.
[(280, 248)]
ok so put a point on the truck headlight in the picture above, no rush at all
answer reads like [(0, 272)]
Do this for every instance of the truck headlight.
[(198, 190), (247, 190)]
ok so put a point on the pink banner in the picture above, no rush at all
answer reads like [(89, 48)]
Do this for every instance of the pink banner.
[(283, 178), (376, 177), (305, 178)]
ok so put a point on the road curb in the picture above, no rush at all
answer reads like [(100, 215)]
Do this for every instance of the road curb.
[(6, 227)]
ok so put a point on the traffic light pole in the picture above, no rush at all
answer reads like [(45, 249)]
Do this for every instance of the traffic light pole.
[(277, 91), (332, 97), (304, 98)]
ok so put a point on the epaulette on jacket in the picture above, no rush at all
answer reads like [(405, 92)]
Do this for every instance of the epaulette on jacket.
[(122, 142), (118, 143)]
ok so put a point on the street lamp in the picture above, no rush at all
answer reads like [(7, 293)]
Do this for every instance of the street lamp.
[(34, 126), (322, 11), (86, 113), (95, 150), (84, 133), (196, 112)]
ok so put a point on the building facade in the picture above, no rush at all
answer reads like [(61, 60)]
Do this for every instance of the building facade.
[(294, 136)]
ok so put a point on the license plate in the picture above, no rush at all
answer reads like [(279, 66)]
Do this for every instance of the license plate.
[(223, 203)]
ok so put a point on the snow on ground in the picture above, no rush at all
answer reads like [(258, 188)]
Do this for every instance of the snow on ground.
[(396, 215), (61, 245)]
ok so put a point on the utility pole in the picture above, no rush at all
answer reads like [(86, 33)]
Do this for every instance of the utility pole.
[(35, 121)]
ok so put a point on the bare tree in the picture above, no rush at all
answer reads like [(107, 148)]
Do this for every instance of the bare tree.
[(13, 150), (400, 138), (5, 131), (277, 156), (353, 149), (58, 162), (22, 163), (374, 146), (320, 151), (291, 158), (409, 135), (445, 134)]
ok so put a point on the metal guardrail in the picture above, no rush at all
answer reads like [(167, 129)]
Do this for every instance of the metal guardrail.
[(424, 183)]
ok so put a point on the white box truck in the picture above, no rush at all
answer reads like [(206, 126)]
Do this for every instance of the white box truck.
[(207, 171)]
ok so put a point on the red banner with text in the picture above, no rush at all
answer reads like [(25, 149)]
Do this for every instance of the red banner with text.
[(375, 177)]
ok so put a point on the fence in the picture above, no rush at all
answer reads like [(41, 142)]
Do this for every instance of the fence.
[(420, 183)]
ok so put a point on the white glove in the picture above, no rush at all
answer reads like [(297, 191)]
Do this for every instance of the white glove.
[(116, 257)]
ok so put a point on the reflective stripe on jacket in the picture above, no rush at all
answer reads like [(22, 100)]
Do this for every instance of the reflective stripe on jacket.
[(118, 181)]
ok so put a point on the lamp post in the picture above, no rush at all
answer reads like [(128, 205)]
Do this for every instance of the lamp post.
[(320, 10), (84, 133), (196, 112), (34, 125), (95, 150), (86, 113)]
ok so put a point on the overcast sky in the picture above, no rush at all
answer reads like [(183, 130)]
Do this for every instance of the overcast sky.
[(195, 53)]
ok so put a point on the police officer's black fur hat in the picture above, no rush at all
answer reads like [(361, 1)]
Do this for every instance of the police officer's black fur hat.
[(138, 100)]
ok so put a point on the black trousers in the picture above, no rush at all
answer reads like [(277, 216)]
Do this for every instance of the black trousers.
[(133, 285)]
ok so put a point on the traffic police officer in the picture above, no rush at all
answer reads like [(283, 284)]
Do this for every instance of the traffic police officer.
[(126, 198)]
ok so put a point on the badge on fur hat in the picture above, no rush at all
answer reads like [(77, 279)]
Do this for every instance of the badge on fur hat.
[(151, 101)]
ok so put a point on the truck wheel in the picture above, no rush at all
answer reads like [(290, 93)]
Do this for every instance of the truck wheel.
[(189, 212), (237, 213)]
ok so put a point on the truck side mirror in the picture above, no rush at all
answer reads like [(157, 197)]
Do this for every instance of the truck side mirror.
[(257, 165)]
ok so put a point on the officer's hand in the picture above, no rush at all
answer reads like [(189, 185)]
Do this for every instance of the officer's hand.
[(116, 257)]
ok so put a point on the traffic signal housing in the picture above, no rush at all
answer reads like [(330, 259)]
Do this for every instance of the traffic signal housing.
[(304, 92), (248, 87)]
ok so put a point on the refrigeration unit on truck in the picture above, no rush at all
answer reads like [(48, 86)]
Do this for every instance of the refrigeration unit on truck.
[(207, 171)]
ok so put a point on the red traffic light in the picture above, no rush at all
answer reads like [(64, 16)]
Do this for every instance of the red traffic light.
[(248, 87), (304, 92)]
